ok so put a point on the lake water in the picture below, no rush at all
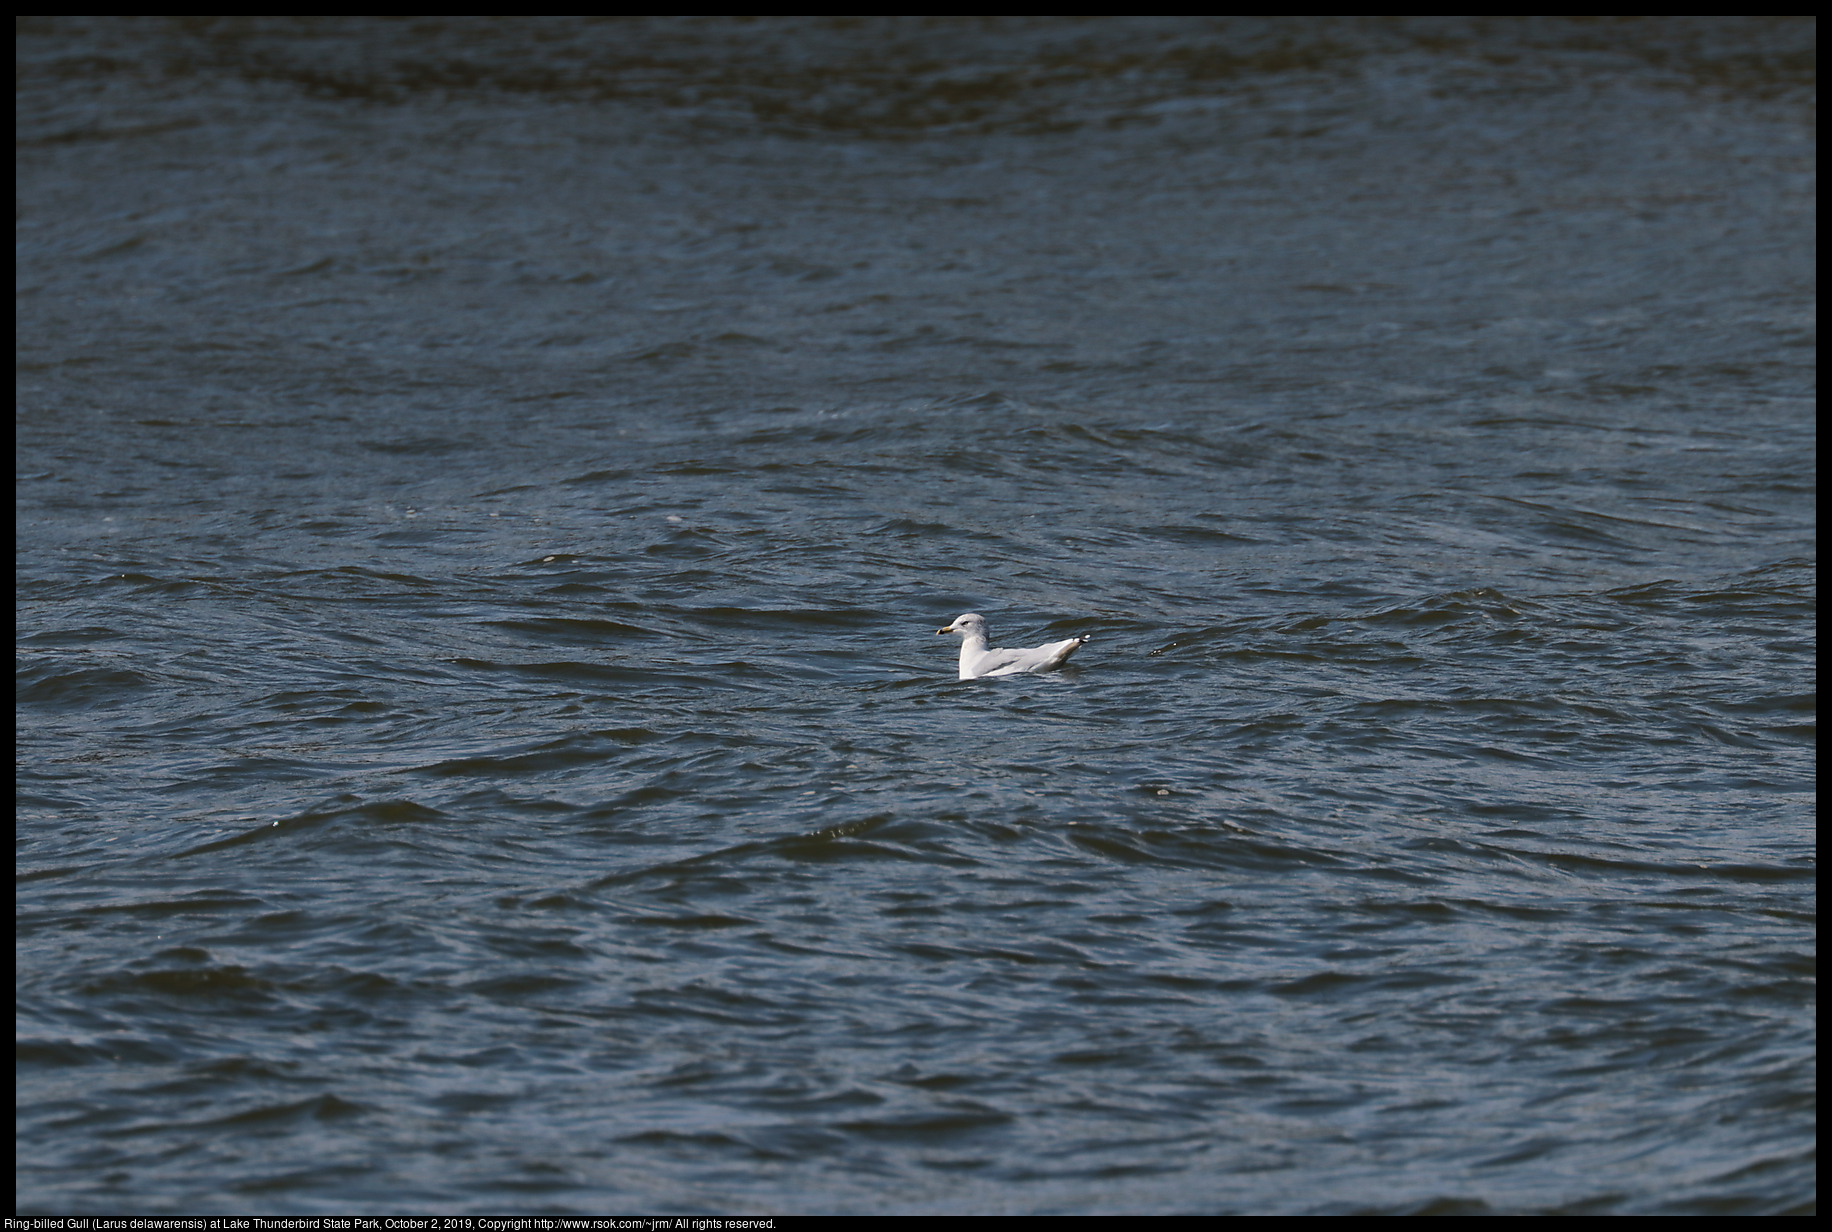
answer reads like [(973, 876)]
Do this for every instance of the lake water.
[(489, 488)]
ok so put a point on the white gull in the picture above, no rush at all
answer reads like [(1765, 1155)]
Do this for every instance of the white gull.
[(979, 659)]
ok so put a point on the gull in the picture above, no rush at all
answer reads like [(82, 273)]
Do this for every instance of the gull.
[(978, 659)]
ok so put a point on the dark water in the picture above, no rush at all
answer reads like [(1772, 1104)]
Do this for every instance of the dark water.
[(488, 493)]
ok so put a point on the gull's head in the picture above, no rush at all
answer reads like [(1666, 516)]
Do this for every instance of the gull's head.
[(966, 625)]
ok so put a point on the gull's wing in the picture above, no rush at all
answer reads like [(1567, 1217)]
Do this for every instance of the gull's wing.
[(1001, 661), (1037, 659)]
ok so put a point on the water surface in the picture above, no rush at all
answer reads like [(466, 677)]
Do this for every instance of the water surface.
[(488, 490)]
